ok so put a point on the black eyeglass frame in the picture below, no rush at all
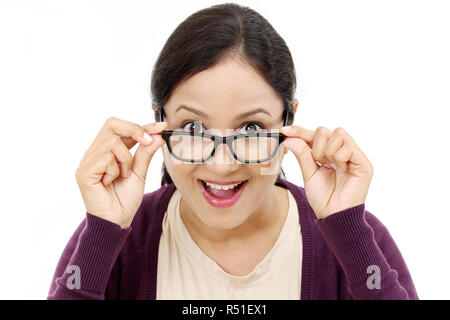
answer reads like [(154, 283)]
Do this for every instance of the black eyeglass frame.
[(218, 140)]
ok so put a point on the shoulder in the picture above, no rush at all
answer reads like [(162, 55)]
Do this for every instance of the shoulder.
[(308, 219), (299, 194), (155, 201), (305, 211), (147, 223), (381, 232)]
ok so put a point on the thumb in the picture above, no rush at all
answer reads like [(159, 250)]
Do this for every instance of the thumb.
[(144, 155), (304, 157)]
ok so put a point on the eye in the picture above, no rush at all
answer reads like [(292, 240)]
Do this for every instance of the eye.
[(253, 126), (192, 127)]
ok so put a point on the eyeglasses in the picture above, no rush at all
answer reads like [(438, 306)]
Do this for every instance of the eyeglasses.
[(198, 147)]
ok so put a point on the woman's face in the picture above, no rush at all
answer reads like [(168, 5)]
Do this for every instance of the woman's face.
[(221, 94)]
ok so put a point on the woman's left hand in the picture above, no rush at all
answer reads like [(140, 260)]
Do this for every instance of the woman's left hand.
[(342, 179)]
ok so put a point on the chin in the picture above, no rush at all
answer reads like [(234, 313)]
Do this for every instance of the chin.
[(222, 222)]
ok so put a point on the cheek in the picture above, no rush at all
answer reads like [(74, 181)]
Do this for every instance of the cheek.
[(269, 168), (178, 170), (175, 164)]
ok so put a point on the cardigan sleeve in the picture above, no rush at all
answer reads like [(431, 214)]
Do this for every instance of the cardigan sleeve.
[(371, 261), (85, 265)]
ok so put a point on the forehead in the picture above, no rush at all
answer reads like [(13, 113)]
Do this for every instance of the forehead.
[(230, 87)]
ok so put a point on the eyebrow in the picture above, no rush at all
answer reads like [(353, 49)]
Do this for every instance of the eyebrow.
[(238, 117)]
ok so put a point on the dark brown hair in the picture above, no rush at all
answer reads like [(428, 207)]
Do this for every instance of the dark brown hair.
[(209, 35)]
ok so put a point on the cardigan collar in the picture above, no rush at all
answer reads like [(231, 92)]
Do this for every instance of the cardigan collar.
[(306, 218)]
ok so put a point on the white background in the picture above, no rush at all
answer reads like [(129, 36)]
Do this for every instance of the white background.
[(379, 69)]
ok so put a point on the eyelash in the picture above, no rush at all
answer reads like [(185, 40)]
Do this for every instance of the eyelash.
[(245, 123)]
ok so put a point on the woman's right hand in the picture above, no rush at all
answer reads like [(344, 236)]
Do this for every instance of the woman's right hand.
[(110, 179)]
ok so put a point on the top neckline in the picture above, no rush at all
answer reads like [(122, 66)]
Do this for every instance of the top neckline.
[(210, 267)]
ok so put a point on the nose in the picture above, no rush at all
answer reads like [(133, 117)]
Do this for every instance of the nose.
[(222, 156), (222, 163)]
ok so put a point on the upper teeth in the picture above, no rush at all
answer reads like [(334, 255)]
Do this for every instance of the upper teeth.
[(219, 187)]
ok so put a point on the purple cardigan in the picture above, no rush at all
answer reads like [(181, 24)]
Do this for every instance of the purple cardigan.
[(348, 255)]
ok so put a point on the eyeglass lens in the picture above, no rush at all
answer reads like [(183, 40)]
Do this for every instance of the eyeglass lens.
[(199, 148)]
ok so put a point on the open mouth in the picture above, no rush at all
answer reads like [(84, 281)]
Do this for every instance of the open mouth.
[(221, 193), (222, 196)]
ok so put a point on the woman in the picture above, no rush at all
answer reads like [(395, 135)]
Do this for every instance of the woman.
[(225, 224)]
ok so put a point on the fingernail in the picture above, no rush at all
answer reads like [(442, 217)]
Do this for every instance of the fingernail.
[(161, 123), (147, 137)]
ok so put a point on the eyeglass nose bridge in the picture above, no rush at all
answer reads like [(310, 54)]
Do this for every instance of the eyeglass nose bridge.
[(228, 140)]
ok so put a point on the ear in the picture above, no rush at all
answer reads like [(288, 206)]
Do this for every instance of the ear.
[(295, 105), (153, 107), (286, 150)]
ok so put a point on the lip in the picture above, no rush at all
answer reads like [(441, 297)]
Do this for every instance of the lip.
[(223, 183), (219, 202)]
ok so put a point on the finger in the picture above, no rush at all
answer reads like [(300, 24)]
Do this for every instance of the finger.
[(302, 133), (156, 127), (128, 142), (123, 156), (302, 152), (129, 132), (352, 155), (144, 155), (343, 155), (320, 141), (111, 142), (112, 171), (358, 162), (335, 142), (92, 169), (127, 129), (150, 128)]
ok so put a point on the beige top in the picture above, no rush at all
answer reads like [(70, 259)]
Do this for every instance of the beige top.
[(186, 272)]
